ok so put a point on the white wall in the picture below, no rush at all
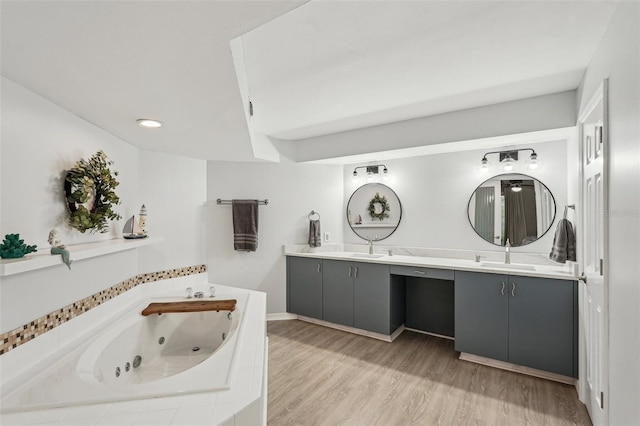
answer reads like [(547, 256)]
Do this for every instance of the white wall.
[(435, 189), (39, 142), (546, 112), (293, 191), (617, 58), (174, 190)]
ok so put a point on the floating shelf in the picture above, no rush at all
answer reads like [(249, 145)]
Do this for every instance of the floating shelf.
[(374, 225), (35, 261)]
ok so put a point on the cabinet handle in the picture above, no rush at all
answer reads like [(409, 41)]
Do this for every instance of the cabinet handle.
[(349, 271), (318, 268), (356, 272), (420, 272), (513, 289), (502, 291)]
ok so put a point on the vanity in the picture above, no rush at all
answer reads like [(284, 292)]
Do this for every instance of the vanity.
[(521, 316), (497, 314)]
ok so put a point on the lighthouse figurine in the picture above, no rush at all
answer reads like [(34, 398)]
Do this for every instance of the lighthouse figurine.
[(142, 221)]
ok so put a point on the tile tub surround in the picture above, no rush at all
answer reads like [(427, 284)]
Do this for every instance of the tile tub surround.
[(242, 404), (27, 332), (460, 260)]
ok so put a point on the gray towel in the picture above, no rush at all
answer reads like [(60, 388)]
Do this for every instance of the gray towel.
[(564, 243), (315, 238), (245, 224)]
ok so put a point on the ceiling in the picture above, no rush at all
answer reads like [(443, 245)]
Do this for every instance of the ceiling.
[(311, 68)]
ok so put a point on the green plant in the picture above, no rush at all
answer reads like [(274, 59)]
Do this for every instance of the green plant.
[(381, 212), (90, 194), (13, 247)]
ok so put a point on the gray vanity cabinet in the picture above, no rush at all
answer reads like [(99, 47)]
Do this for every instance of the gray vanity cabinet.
[(542, 319), (375, 300), (522, 320), (337, 291), (482, 314), (304, 286)]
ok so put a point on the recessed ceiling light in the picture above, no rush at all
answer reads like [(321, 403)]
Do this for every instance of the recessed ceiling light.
[(148, 122)]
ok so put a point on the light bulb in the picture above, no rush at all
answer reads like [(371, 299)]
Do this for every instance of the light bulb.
[(355, 175), (508, 164), (516, 187), (533, 162), (369, 176), (484, 166), (385, 174)]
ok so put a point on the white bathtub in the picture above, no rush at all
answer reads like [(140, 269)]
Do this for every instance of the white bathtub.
[(178, 353)]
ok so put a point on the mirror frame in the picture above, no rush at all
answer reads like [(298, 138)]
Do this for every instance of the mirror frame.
[(349, 202), (555, 208)]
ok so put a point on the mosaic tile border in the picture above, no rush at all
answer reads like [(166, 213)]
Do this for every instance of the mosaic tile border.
[(18, 336)]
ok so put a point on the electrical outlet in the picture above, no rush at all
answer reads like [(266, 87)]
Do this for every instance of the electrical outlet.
[(327, 237)]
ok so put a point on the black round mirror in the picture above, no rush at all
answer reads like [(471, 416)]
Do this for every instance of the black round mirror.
[(512, 207), (374, 211)]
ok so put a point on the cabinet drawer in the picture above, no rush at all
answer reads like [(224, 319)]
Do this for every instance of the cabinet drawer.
[(412, 271)]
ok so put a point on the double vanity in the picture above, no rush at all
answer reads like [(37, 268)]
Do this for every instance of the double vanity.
[(507, 315)]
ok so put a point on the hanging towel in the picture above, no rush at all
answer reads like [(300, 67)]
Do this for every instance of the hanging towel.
[(315, 239), (245, 225), (564, 243)]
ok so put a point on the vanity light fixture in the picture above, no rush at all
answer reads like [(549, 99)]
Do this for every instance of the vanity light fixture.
[(372, 172), (509, 159), (149, 123)]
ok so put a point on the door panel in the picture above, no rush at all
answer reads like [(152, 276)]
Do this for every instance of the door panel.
[(481, 314), (337, 292)]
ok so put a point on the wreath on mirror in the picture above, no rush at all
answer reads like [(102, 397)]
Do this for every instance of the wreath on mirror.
[(382, 212), (90, 194)]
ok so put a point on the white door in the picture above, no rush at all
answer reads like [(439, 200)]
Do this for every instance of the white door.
[(594, 312)]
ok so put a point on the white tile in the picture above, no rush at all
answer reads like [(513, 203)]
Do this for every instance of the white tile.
[(46, 416), (12, 419), (124, 419), (163, 403), (155, 418), (207, 399), (126, 407), (193, 416), (84, 411), (81, 421)]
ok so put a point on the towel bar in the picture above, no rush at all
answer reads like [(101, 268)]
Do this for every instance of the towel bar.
[(221, 201), (313, 212), (568, 206)]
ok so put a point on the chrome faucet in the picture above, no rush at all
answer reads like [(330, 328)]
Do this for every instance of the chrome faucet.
[(198, 295), (370, 242), (507, 252)]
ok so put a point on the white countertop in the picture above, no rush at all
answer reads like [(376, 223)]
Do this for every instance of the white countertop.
[(558, 271)]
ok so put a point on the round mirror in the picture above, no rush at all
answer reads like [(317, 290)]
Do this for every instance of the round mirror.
[(374, 211), (511, 207)]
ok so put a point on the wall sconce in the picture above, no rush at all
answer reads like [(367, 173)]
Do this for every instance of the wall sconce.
[(508, 160), (372, 172)]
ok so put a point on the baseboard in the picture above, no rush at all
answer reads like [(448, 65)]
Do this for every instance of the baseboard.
[(354, 330), (518, 368), (281, 316), (442, 336)]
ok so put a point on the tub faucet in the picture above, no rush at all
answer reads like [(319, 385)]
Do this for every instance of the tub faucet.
[(507, 253), (370, 242), (198, 295)]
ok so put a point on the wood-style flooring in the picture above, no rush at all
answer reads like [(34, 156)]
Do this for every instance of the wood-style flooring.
[(322, 376)]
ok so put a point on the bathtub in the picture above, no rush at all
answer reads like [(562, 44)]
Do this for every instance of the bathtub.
[(138, 357)]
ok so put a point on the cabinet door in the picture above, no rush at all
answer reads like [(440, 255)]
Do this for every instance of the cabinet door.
[(304, 280), (337, 292), (372, 298), (481, 314), (541, 319)]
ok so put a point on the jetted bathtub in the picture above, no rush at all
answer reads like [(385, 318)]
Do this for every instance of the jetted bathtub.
[(141, 357)]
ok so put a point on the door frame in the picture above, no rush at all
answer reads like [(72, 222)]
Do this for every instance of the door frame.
[(601, 94)]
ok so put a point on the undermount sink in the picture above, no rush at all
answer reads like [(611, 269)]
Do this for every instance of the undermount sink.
[(370, 256), (508, 266)]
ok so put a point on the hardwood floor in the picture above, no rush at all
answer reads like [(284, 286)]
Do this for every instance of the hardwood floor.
[(321, 376)]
